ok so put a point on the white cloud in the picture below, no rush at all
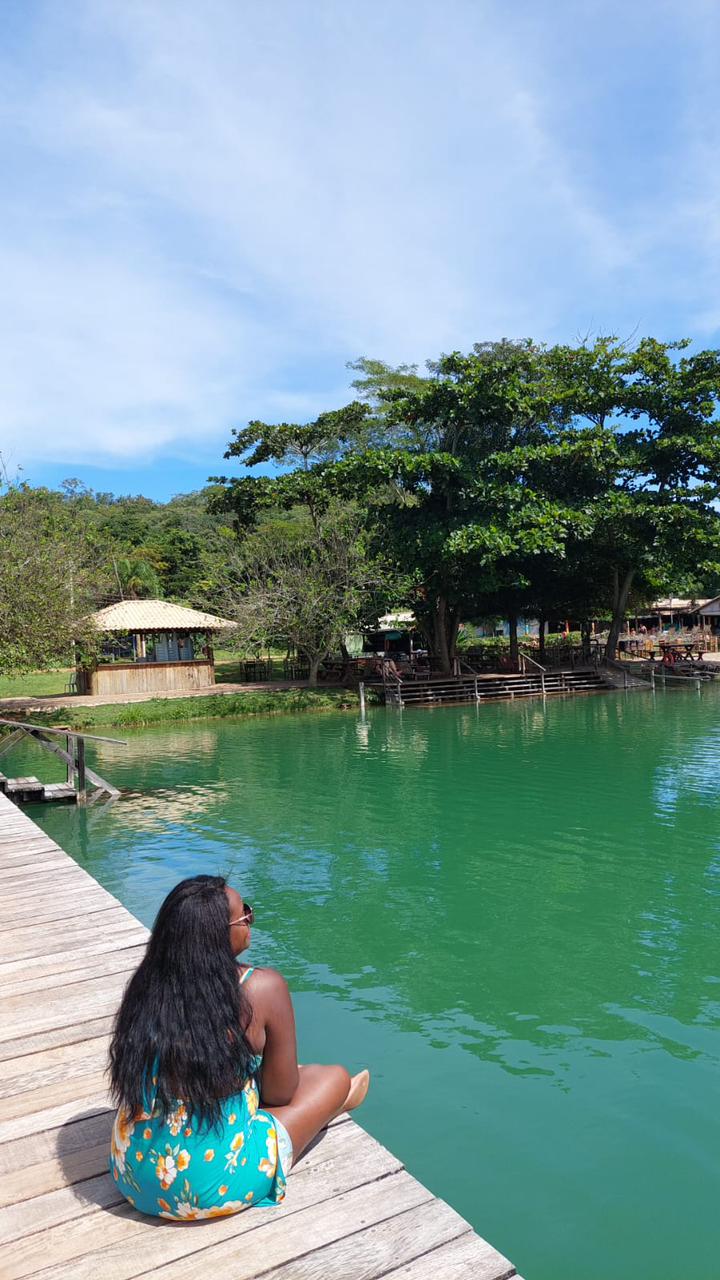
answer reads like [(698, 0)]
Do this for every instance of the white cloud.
[(214, 207)]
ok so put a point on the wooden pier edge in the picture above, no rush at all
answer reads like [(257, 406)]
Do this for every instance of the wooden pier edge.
[(67, 948)]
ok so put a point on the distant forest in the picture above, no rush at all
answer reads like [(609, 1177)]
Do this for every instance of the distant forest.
[(66, 552), (141, 548)]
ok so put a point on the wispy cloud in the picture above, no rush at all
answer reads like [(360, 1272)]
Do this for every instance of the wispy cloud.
[(212, 208)]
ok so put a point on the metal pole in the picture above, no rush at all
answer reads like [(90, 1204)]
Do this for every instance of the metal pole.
[(542, 682)]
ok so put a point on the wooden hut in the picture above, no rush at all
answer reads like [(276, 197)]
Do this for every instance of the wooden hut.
[(151, 646)]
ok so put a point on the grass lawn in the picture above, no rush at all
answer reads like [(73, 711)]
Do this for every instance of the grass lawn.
[(35, 684), (46, 684)]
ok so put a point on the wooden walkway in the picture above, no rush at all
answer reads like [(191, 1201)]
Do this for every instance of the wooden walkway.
[(67, 948)]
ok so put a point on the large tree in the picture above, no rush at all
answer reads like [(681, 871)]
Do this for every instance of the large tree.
[(516, 477), (51, 577)]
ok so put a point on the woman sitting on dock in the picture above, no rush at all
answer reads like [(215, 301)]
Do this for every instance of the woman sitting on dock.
[(212, 1105)]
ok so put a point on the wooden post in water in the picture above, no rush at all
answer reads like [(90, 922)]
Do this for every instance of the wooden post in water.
[(361, 691), (80, 766)]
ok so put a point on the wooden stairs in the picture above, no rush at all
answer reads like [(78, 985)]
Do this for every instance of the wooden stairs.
[(30, 789), (434, 689)]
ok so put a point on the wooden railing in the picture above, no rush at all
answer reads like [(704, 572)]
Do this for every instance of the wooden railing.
[(527, 663)]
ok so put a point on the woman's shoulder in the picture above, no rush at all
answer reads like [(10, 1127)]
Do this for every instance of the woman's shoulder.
[(268, 992), (263, 978)]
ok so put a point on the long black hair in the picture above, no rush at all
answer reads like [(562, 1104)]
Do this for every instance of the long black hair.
[(184, 1015)]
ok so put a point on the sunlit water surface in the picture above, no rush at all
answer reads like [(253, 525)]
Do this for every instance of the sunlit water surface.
[(510, 914)]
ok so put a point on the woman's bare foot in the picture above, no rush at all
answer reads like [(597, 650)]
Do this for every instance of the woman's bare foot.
[(357, 1092)]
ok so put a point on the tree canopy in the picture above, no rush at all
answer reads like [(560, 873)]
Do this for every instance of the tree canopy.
[(516, 478)]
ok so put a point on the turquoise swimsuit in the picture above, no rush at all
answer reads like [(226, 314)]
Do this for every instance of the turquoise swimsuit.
[(172, 1169)]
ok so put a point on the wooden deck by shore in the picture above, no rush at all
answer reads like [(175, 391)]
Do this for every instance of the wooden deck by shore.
[(67, 948)]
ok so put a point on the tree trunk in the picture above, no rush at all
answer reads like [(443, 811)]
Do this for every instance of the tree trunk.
[(514, 651), (440, 636), (541, 640), (621, 599), (313, 675), (453, 629)]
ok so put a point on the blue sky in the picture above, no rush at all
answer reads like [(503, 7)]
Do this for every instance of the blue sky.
[(208, 209)]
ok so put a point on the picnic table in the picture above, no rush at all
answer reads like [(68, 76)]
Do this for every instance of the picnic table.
[(682, 650)]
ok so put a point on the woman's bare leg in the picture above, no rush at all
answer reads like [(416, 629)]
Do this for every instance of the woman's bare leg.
[(319, 1097)]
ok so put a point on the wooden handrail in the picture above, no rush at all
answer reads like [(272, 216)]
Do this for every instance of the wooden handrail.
[(524, 658)]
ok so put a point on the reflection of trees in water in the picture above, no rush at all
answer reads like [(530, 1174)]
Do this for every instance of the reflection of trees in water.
[(492, 877)]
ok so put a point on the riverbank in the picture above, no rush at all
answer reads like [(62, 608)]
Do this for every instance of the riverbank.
[(221, 703)]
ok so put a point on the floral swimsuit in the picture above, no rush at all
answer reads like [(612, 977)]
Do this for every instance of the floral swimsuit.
[(172, 1168)]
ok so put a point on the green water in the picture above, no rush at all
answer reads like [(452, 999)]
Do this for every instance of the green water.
[(510, 914)]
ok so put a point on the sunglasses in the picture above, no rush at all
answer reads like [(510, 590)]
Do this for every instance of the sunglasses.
[(248, 916)]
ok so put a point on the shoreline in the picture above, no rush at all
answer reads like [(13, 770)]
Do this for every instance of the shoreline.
[(218, 703)]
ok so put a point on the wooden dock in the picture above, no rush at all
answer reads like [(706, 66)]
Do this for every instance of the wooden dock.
[(67, 948)]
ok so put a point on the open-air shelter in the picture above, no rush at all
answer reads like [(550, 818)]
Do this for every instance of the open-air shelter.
[(151, 646)]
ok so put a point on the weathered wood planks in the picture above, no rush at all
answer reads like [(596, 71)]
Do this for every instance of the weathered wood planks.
[(67, 948)]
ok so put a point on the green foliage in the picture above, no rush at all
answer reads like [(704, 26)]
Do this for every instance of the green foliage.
[(304, 583), (49, 580), (517, 477)]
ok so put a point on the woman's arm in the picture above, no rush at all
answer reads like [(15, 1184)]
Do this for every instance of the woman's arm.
[(280, 1068)]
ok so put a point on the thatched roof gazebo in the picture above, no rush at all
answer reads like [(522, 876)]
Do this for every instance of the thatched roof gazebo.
[(151, 646)]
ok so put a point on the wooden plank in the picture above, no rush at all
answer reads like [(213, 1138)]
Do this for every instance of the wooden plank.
[(331, 1167), (14, 839), (86, 902), (58, 1206), (467, 1255), (56, 946), (11, 877), (366, 1254), (37, 895), (134, 1244), (60, 961), (280, 1242), (28, 1102), (22, 1015), (118, 961), (52, 1117), (54, 1173), (28, 942), (78, 1134), (38, 898), (12, 881), (59, 791), (18, 849), (23, 786), (50, 1064), (50, 1038)]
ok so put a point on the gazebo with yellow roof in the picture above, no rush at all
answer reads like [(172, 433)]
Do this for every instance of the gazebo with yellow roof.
[(151, 646)]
